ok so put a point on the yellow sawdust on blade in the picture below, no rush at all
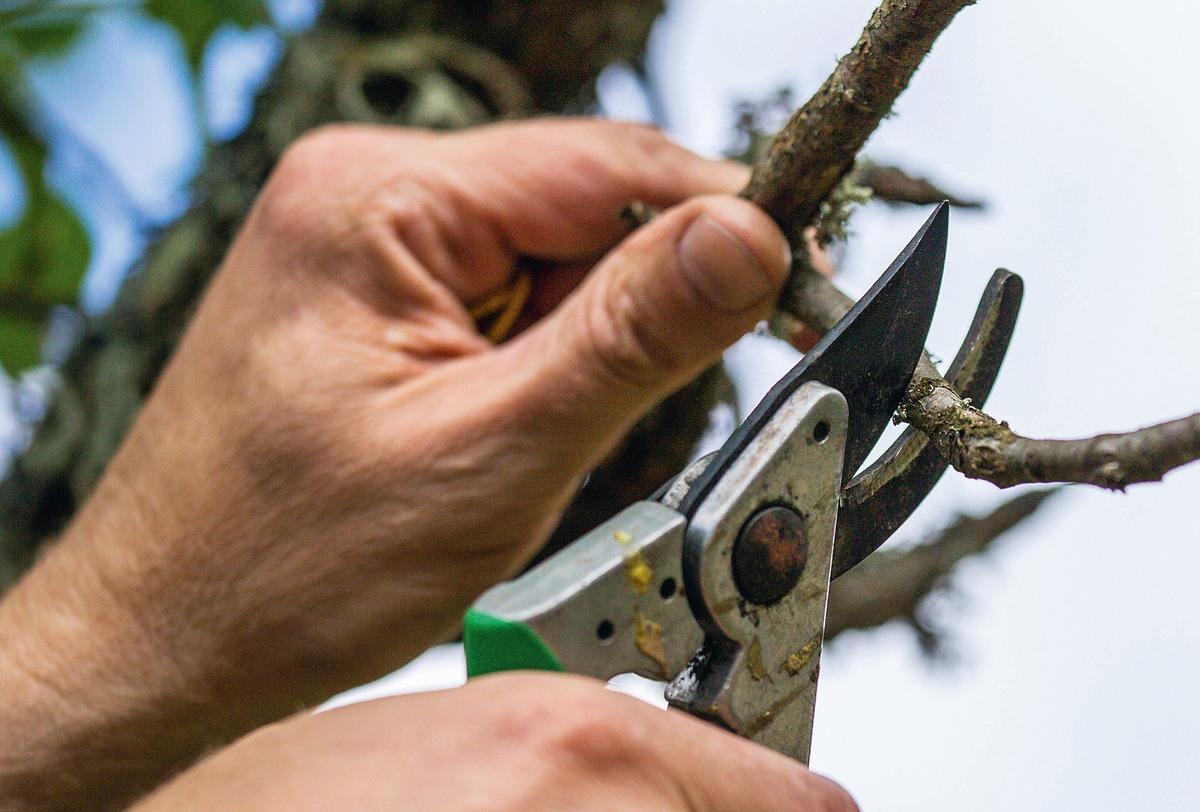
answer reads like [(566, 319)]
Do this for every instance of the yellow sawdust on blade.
[(754, 660), (638, 572), (648, 637), (795, 662)]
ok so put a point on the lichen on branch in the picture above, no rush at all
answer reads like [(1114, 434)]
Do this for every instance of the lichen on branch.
[(983, 448), (799, 173)]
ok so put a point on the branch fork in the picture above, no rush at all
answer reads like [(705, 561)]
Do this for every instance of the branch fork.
[(802, 168)]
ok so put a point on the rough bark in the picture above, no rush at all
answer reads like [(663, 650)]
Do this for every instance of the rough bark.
[(818, 145), (980, 447)]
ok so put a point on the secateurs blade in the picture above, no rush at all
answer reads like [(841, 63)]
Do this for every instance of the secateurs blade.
[(718, 584)]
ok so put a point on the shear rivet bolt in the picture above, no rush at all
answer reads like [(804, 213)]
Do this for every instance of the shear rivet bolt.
[(769, 554)]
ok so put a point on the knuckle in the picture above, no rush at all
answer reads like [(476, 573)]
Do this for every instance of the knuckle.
[(334, 139), (595, 732), (643, 146), (570, 725), (349, 188), (824, 795), (314, 148), (645, 139), (404, 209), (294, 202)]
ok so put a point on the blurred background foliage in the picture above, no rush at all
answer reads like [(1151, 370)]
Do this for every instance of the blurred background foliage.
[(45, 245), (71, 221), (44, 248)]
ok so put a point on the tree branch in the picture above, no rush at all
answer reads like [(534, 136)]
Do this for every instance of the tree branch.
[(892, 585), (818, 145), (893, 185), (802, 167), (982, 448)]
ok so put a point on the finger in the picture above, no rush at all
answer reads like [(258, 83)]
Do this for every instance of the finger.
[(658, 310), (716, 770), (666, 760), (477, 202), (554, 187)]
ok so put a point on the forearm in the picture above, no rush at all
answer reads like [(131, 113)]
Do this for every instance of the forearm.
[(98, 707), (116, 662), (151, 632)]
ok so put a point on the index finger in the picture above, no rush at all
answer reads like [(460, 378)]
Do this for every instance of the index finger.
[(552, 188)]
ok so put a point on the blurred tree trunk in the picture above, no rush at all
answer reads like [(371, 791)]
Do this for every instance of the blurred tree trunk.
[(434, 64)]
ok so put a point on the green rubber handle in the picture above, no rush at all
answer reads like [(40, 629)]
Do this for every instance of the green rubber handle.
[(493, 644)]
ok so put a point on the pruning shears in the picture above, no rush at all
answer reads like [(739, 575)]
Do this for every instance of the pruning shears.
[(718, 583)]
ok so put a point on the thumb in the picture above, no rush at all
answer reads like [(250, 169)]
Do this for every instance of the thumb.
[(653, 314)]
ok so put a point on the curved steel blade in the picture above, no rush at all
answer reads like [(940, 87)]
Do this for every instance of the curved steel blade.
[(878, 500), (869, 356)]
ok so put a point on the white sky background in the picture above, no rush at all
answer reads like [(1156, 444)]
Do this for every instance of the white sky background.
[(1077, 644), (1077, 641)]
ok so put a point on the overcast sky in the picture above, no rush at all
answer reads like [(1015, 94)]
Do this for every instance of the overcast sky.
[(1076, 641)]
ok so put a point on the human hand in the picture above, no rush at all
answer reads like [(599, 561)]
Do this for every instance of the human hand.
[(335, 463), (522, 742), (359, 455)]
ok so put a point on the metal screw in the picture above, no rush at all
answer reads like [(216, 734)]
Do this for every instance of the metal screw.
[(770, 554)]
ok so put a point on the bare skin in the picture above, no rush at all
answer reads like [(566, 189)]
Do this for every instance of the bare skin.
[(335, 463), (512, 743)]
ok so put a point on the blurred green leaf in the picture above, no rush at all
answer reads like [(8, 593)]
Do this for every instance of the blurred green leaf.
[(196, 20), (15, 242), (20, 339), (14, 245), (16, 10), (43, 256), (42, 28), (45, 36), (61, 248)]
